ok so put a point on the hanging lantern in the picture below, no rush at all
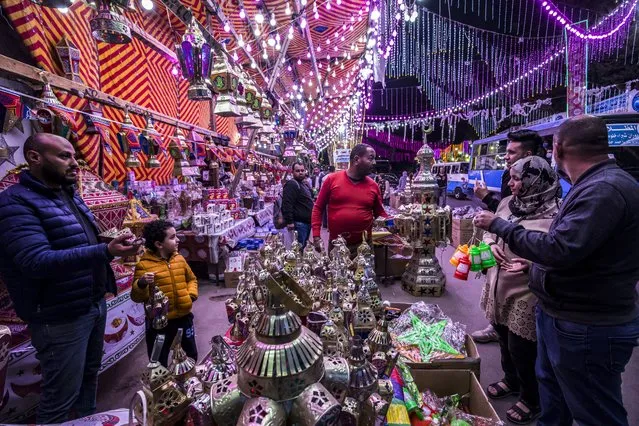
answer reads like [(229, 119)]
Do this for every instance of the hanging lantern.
[(225, 80), (69, 56), (54, 4), (486, 254), (195, 57), (462, 250), (266, 114), (245, 119), (177, 146), (151, 143), (108, 26), (475, 259), (129, 142), (463, 268)]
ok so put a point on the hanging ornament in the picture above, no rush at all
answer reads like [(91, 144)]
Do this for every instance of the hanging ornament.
[(475, 259), (463, 268), (462, 250), (7, 152), (225, 81), (486, 254), (195, 57)]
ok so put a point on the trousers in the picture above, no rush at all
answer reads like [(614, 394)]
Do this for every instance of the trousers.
[(70, 354), (518, 357), (579, 370), (169, 332)]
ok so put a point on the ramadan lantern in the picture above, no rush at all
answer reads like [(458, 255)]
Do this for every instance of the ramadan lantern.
[(69, 56), (195, 57), (224, 79), (108, 26)]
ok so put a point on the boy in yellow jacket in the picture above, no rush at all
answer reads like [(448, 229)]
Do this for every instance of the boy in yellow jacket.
[(162, 265)]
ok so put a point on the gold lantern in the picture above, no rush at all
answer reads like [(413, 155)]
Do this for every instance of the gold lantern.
[(69, 56), (128, 141)]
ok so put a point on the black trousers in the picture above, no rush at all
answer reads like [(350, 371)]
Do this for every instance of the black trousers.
[(188, 337), (518, 356)]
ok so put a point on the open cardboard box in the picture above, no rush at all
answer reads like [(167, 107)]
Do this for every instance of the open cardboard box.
[(472, 361), (461, 382)]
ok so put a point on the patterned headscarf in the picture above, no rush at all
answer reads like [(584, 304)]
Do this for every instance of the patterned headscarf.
[(540, 192)]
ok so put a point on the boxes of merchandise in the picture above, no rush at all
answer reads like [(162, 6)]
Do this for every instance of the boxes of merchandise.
[(234, 268), (445, 383), (391, 261), (463, 225), (470, 359)]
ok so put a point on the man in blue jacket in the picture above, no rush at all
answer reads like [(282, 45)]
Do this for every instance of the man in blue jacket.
[(584, 274), (57, 273)]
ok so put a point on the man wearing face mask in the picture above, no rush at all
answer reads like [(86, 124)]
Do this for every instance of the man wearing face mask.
[(584, 274), (353, 200), (57, 273), (521, 144)]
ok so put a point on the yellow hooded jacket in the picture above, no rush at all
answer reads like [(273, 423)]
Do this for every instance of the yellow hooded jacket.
[(174, 277)]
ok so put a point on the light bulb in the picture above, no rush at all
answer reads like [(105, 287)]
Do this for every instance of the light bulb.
[(316, 15), (257, 31), (289, 68), (271, 42), (303, 2), (299, 62), (253, 64), (240, 42), (273, 22), (303, 23), (235, 57), (264, 55), (65, 10), (288, 9), (278, 47), (290, 35), (376, 14), (227, 27), (248, 48), (259, 18), (328, 5), (242, 14), (147, 4)]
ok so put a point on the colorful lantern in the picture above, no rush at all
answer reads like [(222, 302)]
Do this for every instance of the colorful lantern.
[(463, 268), (151, 143), (128, 141), (486, 254), (462, 250), (108, 26), (69, 56), (225, 81), (475, 259), (245, 119), (195, 57)]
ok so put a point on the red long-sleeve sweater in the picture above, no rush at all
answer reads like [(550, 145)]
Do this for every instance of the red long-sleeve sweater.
[(352, 207)]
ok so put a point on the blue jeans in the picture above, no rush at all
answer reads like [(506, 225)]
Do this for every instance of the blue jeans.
[(70, 354), (579, 371), (303, 232)]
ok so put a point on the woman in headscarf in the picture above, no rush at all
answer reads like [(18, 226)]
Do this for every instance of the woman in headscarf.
[(507, 301)]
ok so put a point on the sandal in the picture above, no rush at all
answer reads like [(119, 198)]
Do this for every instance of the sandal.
[(500, 390), (524, 413)]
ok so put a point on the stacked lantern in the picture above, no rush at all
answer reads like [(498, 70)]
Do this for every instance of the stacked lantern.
[(195, 57), (425, 225), (473, 258)]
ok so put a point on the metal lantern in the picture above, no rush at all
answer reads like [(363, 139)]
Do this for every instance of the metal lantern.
[(54, 4), (224, 79), (151, 143), (177, 148), (128, 141), (246, 117), (195, 57), (109, 26), (69, 56)]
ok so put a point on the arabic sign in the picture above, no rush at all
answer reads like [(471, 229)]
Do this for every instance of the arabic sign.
[(625, 134), (342, 155)]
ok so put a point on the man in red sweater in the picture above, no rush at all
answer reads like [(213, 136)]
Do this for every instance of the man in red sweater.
[(353, 200)]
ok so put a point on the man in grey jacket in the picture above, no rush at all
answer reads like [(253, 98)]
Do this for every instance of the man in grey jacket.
[(585, 274)]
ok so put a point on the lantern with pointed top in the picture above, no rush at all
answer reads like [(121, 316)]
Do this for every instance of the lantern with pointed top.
[(195, 57), (54, 4), (128, 141), (69, 56), (151, 143)]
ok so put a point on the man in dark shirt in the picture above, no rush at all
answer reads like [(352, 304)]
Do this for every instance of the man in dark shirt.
[(584, 274), (297, 204), (57, 274), (521, 144)]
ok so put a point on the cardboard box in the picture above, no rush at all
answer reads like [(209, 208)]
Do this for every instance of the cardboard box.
[(463, 231), (472, 362), (461, 382)]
